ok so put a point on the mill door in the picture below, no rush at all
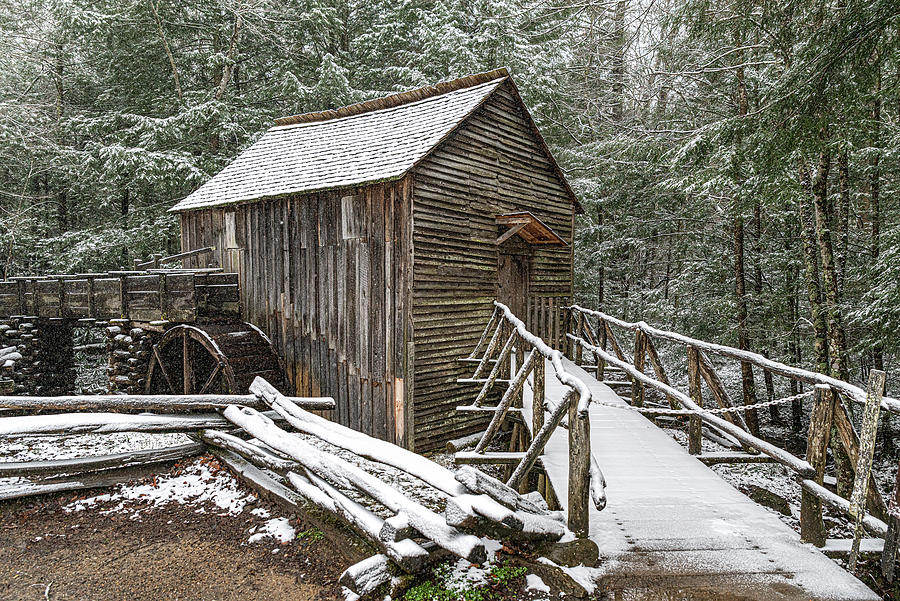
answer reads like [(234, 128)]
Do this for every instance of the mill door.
[(514, 271)]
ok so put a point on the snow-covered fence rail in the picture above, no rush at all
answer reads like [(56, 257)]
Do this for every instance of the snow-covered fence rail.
[(8, 357), (509, 353), (110, 414), (149, 402), (349, 483), (829, 413), (579, 319)]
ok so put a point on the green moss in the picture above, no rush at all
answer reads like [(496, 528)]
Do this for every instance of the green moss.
[(311, 536), (504, 574), (441, 587)]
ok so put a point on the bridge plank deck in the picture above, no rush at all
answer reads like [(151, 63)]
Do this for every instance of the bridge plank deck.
[(671, 523)]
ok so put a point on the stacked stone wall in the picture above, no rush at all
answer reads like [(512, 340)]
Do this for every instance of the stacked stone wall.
[(43, 361), (129, 356)]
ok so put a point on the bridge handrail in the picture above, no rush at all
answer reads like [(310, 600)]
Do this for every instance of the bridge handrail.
[(555, 357), (780, 455), (828, 413), (586, 481), (857, 394), (159, 259)]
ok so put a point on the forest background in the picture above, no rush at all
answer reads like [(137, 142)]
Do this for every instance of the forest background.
[(737, 160)]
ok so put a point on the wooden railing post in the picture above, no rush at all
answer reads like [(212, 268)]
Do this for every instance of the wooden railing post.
[(537, 412), (537, 401), (579, 470), (868, 433), (695, 424), (812, 528), (569, 347), (601, 364), (578, 330), (637, 388), (843, 426), (889, 555)]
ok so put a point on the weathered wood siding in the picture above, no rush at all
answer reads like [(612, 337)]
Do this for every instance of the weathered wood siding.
[(493, 164), (327, 277)]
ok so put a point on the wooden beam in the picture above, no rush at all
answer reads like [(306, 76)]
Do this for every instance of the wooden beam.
[(510, 233), (695, 426), (150, 402), (812, 528), (84, 465), (869, 430), (850, 440)]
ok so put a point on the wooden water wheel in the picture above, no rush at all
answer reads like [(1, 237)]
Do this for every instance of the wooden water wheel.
[(212, 358)]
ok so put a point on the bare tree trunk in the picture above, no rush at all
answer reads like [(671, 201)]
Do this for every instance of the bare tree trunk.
[(791, 280), (154, 6), (875, 206), (843, 219), (601, 275), (743, 341), (756, 259), (618, 66), (215, 141), (62, 199), (836, 335), (811, 264), (740, 284), (875, 203)]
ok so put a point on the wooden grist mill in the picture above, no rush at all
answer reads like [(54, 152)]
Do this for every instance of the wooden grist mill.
[(405, 265), (370, 241)]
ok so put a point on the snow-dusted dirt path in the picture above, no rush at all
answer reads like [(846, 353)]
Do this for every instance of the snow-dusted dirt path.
[(190, 533), (672, 523)]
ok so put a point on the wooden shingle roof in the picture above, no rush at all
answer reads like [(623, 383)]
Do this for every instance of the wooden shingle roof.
[(372, 141)]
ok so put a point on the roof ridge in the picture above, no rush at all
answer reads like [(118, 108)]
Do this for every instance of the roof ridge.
[(398, 99)]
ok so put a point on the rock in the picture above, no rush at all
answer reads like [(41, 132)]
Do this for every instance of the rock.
[(581, 551), (769, 499)]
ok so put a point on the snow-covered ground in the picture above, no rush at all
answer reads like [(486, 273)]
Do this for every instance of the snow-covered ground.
[(195, 484), (83, 445), (199, 483)]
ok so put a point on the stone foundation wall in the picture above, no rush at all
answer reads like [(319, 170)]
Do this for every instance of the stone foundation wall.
[(129, 356), (43, 364)]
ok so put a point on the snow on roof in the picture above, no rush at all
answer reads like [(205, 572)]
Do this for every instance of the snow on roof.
[(377, 140)]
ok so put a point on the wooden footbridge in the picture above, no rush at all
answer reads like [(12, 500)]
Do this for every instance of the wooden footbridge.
[(662, 520), (650, 518)]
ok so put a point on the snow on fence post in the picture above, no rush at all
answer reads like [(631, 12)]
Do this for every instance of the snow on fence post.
[(579, 471), (843, 425), (695, 425), (537, 397), (812, 528)]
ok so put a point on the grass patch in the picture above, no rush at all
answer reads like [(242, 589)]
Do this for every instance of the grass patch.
[(310, 536), (501, 581)]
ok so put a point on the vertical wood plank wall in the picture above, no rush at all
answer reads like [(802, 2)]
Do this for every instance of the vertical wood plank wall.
[(327, 277), (351, 284), (491, 165)]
